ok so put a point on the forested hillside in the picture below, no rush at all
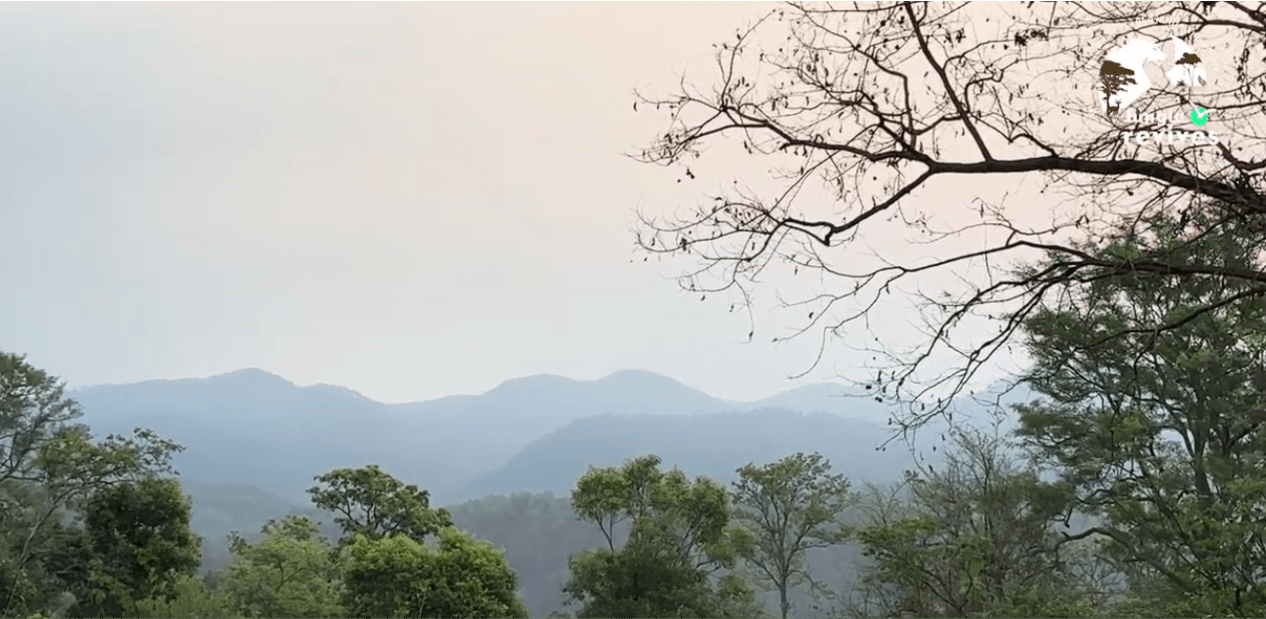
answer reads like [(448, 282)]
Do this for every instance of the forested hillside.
[(714, 445)]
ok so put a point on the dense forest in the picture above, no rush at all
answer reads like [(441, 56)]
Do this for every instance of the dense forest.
[(1130, 484)]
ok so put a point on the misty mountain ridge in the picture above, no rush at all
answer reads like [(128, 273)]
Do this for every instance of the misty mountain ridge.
[(619, 388), (239, 425), (252, 426), (712, 444)]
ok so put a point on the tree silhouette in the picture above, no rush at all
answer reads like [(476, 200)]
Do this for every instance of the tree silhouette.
[(1188, 58), (1115, 78), (854, 110), (1188, 62)]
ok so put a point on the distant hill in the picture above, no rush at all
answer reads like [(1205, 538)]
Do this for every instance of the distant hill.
[(221, 509), (254, 427), (714, 445)]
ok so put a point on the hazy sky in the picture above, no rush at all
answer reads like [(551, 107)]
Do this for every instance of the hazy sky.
[(410, 200)]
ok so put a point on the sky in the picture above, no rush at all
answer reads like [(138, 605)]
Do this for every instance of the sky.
[(409, 200)]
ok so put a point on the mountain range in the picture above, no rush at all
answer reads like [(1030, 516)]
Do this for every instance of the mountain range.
[(254, 427)]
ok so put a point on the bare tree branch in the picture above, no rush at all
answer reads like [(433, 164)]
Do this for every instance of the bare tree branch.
[(878, 104)]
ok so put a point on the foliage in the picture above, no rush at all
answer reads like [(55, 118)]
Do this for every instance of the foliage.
[(33, 407), (695, 512), (397, 576), (679, 535), (93, 528), (290, 572), (648, 579), (136, 544), (371, 502), (973, 538), (1160, 433), (538, 533), (791, 506), (48, 466), (190, 598)]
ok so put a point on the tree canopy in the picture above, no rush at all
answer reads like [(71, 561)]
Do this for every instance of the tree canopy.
[(791, 506), (1158, 432), (678, 535), (370, 502), (49, 466)]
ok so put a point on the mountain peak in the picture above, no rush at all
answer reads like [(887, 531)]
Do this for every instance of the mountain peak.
[(636, 375), (250, 374), (642, 378), (535, 381), (337, 389)]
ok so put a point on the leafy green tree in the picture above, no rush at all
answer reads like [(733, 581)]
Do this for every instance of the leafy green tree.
[(189, 598), (972, 538), (370, 502), (290, 572), (388, 570), (137, 543), (651, 576), (33, 407), (49, 464), (1159, 432), (398, 576), (696, 512), (791, 506), (538, 532), (679, 536)]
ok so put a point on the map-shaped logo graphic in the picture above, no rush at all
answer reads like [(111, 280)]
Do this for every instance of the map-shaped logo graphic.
[(1123, 79)]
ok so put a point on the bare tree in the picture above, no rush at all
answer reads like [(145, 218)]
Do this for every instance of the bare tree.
[(861, 110)]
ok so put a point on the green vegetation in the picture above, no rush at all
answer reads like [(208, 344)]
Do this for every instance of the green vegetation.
[(792, 506), (291, 572), (679, 534)]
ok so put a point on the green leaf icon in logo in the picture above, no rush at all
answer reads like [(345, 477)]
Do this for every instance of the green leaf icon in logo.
[(1199, 116)]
